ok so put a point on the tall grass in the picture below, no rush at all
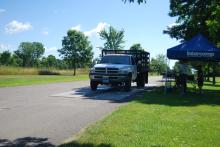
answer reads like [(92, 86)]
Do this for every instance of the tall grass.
[(7, 70)]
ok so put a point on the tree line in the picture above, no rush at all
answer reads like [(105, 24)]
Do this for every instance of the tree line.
[(76, 52), (30, 54)]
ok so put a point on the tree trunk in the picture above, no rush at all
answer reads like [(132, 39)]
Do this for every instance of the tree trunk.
[(74, 69), (213, 75), (208, 77)]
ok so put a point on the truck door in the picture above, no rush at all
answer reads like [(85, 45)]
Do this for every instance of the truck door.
[(134, 69)]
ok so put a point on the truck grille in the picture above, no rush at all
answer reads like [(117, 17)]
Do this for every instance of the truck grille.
[(106, 70), (100, 70), (112, 70)]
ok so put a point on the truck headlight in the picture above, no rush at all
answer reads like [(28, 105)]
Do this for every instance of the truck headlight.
[(123, 71)]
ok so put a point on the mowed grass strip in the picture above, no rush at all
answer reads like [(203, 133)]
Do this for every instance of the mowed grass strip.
[(21, 80), (155, 119)]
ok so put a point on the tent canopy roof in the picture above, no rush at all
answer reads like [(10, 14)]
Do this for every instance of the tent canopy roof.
[(198, 48)]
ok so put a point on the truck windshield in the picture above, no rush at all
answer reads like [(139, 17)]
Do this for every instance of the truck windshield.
[(115, 60)]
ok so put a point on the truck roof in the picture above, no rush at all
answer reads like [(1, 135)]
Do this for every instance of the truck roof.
[(117, 55)]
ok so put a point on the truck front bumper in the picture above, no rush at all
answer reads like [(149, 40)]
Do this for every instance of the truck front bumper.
[(107, 78)]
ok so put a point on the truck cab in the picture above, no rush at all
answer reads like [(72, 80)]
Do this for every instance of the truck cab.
[(115, 68)]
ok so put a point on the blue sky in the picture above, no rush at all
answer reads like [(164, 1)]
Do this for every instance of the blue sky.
[(47, 21)]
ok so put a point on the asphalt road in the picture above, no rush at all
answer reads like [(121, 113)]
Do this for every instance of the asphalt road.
[(51, 113)]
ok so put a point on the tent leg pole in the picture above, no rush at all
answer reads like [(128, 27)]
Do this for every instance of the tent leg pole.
[(165, 86)]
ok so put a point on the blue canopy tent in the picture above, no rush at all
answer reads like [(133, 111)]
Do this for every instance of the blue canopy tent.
[(198, 48)]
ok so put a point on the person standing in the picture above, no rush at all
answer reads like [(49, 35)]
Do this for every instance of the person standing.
[(200, 79), (183, 76)]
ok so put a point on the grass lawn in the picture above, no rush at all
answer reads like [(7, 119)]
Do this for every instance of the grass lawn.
[(155, 119), (15, 80)]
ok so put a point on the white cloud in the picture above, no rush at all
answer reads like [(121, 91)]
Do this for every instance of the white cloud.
[(49, 49), (172, 25), (77, 28), (17, 27), (45, 32), (52, 49), (2, 10), (97, 29), (5, 47), (91, 32)]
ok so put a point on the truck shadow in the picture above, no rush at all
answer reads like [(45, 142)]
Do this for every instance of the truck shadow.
[(77, 144), (26, 142), (113, 94), (43, 142)]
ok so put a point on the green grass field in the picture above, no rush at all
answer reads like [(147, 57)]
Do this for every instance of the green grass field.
[(20, 80), (155, 119)]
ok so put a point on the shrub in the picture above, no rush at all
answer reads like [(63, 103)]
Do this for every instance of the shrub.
[(48, 72)]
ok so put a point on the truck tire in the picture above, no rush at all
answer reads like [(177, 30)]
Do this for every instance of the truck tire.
[(141, 80), (142, 83), (128, 84), (138, 83), (93, 85), (146, 77)]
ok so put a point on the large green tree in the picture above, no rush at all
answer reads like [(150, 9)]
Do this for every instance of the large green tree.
[(136, 46), (15, 60), (62, 64), (76, 49), (213, 22), (158, 64), (114, 39), (51, 61), (194, 17), (30, 52), (5, 58)]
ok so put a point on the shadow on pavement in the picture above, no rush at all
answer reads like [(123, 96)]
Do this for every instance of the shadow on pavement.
[(76, 144), (87, 92), (26, 142), (114, 94)]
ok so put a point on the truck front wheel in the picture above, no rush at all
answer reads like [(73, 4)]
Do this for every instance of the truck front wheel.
[(93, 85), (128, 84)]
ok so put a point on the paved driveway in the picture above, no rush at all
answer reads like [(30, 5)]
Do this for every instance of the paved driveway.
[(48, 114)]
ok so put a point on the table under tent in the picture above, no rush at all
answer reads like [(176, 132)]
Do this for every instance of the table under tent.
[(196, 49)]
